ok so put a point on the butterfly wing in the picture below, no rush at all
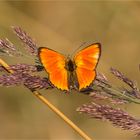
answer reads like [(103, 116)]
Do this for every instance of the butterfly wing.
[(54, 64), (86, 61)]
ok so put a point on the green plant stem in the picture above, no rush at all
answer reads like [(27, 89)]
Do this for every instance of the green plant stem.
[(119, 94)]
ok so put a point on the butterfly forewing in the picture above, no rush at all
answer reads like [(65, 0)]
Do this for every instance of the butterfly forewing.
[(86, 61), (54, 64)]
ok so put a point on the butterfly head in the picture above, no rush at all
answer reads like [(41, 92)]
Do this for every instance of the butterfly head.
[(70, 65)]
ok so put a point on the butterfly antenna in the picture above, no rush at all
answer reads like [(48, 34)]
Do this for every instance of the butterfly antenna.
[(78, 48)]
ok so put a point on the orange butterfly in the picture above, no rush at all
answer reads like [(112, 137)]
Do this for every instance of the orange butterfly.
[(64, 72)]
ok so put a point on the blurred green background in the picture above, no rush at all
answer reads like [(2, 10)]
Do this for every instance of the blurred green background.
[(63, 26)]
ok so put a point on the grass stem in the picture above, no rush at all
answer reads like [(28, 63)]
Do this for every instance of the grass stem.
[(52, 107)]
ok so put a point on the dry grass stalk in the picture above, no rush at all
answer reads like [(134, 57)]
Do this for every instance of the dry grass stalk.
[(117, 116)]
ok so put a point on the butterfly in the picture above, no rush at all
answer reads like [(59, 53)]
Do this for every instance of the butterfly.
[(66, 72)]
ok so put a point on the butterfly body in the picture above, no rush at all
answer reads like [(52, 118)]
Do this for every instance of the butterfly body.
[(66, 72), (71, 73), (70, 65)]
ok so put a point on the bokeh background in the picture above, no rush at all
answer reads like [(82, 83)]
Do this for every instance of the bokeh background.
[(64, 26)]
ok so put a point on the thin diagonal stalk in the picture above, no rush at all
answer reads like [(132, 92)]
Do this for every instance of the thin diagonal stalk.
[(113, 91), (52, 107)]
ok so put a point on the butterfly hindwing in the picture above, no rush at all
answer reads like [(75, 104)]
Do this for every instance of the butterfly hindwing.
[(54, 64), (86, 61)]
